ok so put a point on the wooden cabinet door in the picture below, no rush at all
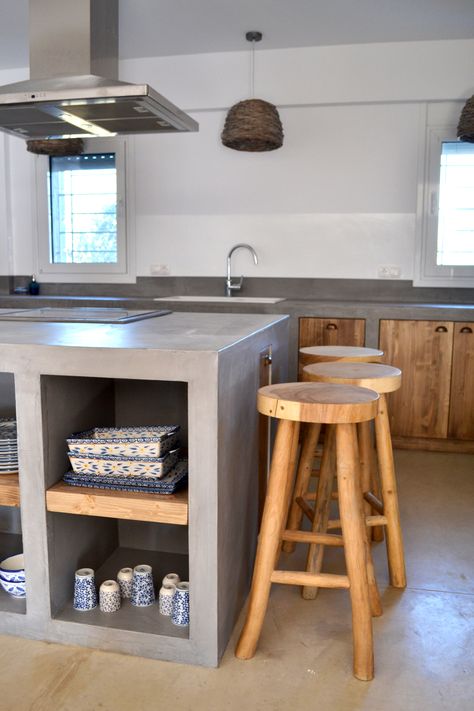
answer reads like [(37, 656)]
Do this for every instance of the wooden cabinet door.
[(315, 331), (331, 331), (461, 411), (423, 352)]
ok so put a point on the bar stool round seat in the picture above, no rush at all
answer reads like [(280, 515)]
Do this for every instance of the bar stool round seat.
[(351, 354), (376, 376), (341, 407), (317, 402)]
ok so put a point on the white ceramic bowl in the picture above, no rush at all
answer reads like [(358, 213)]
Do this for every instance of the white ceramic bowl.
[(15, 589), (12, 569)]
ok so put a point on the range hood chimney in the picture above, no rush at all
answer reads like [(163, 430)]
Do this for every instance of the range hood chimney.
[(73, 90)]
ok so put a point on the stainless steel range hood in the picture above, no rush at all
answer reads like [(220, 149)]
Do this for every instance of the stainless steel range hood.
[(79, 38)]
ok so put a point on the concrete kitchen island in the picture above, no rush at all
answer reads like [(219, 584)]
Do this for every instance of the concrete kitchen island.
[(198, 370)]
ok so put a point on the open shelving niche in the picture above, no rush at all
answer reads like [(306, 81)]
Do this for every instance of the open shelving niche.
[(11, 541), (108, 530)]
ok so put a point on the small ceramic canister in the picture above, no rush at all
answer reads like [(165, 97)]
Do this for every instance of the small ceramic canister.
[(125, 577), (109, 596), (166, 598), (85, 593), (171, 578), (180, 615), (143, 592)]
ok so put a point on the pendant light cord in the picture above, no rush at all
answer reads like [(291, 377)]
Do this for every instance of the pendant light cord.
[(252, 71), (252, 36)]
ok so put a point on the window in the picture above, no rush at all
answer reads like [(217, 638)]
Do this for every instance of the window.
[(84, 214), (445, 239), (455, 243)]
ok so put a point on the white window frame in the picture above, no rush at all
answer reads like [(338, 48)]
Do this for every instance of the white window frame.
[(124, 270), (427, 272)]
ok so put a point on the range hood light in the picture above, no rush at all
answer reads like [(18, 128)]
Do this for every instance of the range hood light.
[(82, 102), (87, 126)]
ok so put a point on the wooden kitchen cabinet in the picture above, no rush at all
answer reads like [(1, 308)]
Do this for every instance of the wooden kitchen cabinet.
[(461, 409), (434, 407), (315, 331)]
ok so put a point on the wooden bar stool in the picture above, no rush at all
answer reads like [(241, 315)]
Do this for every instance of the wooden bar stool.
[(310, 439), (341, 406), (351, 354), (383, 379)]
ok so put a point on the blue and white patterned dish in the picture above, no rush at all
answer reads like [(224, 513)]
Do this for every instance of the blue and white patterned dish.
[(126, 441), (12, 569), (108, 465), (7, 431), (7, 424), (168, 484), (16, 589)]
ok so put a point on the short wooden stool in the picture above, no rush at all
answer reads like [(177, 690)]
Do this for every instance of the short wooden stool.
[(341, 406), (383, 379), (351, 354)]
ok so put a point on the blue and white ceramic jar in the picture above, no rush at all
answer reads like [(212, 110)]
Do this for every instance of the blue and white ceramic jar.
[(85, 593), (171, 578), (165, 598), (109, 596), (180, 614), (143, 591), (124, 578)]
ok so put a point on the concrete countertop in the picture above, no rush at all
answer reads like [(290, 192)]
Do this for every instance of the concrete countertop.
[(292, 307), (175, 331)]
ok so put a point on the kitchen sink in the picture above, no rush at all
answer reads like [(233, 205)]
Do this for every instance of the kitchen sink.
[(79, 314), (225, 299)]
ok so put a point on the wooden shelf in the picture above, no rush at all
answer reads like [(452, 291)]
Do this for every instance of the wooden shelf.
[(9, 489), (160, 508)]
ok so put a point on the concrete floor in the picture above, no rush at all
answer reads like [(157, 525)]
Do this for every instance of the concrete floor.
[(424, 643)]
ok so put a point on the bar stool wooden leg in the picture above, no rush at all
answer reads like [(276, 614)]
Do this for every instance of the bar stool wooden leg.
[(364, 439), (377, 531), (368, 472), (320, 525), (365, 447), (314, 560), (393, 533), (273, 521), (308, 448), (355, 549)]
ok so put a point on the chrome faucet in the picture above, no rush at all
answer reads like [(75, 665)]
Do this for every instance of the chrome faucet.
[(230, 284)]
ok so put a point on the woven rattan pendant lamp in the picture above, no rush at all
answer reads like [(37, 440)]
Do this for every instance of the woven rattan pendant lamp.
[(466, 122), (253, 125)]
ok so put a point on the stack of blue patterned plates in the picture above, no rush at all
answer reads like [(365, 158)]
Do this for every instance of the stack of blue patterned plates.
[(8, 445), (167, 484)]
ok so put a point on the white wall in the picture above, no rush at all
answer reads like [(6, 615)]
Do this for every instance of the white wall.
[(337, 200)]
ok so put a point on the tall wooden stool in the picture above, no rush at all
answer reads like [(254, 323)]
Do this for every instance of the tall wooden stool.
[(383, 379), (322, 354), (342, 406), (351, 354)]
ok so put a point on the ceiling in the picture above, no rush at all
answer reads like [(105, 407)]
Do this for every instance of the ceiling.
[(165, 27)]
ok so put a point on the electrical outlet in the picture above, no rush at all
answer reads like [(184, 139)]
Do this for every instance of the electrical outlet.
[(389, 271), (159, 270)]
